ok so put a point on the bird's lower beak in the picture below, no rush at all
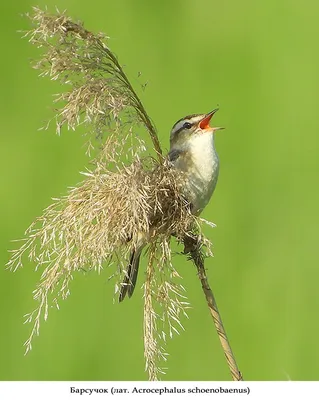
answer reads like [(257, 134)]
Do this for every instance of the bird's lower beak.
[(217, 128), (204, 123)]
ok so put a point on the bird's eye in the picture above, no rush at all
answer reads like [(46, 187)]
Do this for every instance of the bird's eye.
[(187, 125)]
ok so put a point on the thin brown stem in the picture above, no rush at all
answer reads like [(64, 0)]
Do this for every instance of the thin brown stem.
[(192, 247)]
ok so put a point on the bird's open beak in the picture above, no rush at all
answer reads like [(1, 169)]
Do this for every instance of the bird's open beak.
[(204, 123)]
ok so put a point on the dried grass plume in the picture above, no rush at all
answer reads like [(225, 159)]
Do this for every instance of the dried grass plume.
[(128, 189)]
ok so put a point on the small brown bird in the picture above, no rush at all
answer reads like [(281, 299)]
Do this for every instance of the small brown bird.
[(192, 150)]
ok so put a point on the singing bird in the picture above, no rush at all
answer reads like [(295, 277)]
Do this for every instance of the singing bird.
[(192, 151)]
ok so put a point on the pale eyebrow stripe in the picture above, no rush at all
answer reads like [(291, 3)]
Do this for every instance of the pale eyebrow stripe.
[(182, 127)]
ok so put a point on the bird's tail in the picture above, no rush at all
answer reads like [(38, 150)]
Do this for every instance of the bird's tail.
[(129, 282)]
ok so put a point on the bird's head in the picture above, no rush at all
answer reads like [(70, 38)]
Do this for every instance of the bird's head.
[(190, 126)]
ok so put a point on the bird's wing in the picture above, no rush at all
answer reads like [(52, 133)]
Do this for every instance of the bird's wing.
[(179, 161), (173, 155)]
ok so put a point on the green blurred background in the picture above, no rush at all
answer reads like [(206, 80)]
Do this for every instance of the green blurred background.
[(259, 61)]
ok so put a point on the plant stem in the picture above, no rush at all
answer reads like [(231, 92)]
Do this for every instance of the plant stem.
[(192, 247)]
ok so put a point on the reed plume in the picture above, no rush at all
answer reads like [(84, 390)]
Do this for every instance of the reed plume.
[(129, 189)]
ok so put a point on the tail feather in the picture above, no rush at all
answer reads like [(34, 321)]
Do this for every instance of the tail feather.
[(130, 278), (134, 273)]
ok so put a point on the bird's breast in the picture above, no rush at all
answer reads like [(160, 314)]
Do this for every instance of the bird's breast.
[(202, 171)]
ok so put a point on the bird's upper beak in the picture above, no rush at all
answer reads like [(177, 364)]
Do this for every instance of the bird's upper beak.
[(204, 123)]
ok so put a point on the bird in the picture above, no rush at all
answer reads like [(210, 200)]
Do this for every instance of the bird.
[(192, 151)]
